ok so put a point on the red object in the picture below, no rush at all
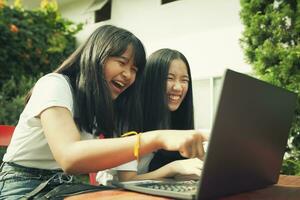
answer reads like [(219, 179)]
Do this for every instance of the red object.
[(93, 175), (93, 179), (6, 133), (101, 136)]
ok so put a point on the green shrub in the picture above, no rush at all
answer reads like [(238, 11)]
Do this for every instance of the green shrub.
[(271, 43), (33, 42)]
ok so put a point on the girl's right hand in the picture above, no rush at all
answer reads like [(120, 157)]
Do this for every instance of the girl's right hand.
[(188, 142)]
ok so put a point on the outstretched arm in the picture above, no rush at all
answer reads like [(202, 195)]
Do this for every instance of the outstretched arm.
[(77, 156)]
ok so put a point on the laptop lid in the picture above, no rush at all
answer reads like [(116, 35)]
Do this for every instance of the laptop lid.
[(248, 137)]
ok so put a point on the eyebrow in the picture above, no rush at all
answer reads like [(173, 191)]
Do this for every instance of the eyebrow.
[(124, 58), (184, 76)]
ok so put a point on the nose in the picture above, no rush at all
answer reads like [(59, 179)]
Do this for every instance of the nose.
[(127, 72), (177, 86)]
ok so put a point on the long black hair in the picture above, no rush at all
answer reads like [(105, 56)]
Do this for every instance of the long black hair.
[(97, 112), (155, 102), (156, 113)]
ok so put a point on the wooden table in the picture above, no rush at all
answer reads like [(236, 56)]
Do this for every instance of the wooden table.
[(287, 188)]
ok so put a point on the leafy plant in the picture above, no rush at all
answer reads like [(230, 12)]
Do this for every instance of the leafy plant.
[(33, 42), (271, 43)]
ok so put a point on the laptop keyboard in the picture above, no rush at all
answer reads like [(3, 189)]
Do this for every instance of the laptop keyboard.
[(181, 186)]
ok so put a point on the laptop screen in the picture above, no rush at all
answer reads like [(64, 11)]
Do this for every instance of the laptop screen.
[(248, 137)]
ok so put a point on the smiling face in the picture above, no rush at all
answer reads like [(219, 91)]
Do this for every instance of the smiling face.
[(177, 84), (120, 72)]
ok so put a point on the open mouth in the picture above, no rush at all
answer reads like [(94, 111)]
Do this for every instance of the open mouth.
[(174, 98), (118, 84)]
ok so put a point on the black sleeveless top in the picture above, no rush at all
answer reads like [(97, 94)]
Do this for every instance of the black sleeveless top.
[(163, 157)]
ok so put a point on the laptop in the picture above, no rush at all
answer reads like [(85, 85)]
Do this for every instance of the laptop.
[(246, 145)]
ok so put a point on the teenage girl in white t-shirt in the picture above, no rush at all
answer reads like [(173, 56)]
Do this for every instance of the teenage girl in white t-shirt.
[(94, 91)]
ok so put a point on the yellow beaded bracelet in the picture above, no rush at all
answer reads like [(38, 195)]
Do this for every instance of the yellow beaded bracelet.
[(136, 149)]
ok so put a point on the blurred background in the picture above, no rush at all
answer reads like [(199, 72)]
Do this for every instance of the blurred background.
[(260, 38)]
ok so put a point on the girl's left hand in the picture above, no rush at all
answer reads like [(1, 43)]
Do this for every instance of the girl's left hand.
[(187, 167)]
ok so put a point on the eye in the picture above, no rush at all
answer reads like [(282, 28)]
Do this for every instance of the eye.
[(121, 62), (134, 69), (185, 80), (170, 77)]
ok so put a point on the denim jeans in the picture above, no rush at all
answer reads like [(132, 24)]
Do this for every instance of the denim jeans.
[(16, 180)]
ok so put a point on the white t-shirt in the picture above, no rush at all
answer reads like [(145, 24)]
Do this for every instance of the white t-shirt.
[(28, 146)]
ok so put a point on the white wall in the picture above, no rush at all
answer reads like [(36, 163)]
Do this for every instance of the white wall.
[(207, 32)]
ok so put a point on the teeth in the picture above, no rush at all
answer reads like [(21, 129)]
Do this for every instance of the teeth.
[(174, 97), (119, 84)]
